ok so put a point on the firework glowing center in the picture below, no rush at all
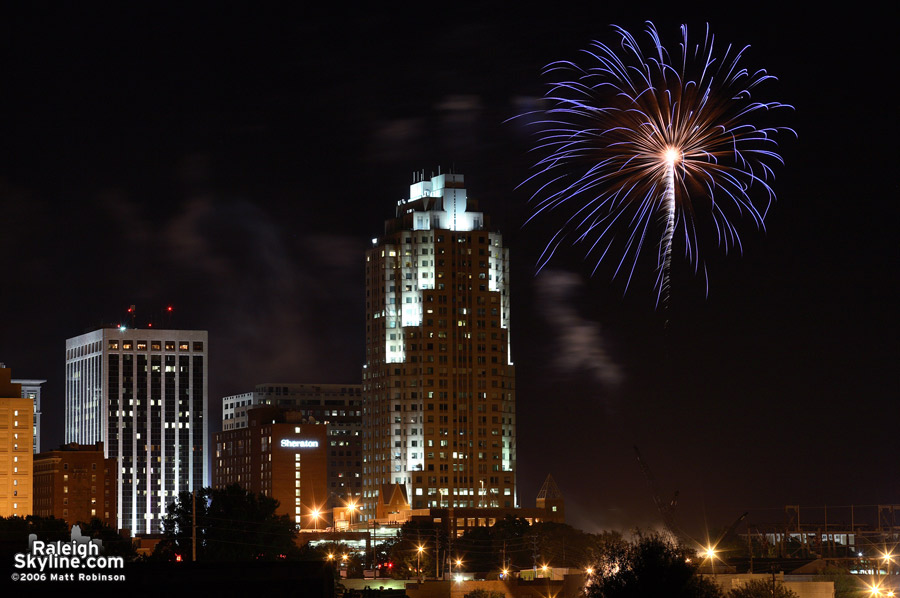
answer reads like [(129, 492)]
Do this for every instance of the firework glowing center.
[(671, 157), (638, 140)]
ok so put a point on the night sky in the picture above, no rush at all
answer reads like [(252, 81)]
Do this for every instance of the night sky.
[(236, 164)]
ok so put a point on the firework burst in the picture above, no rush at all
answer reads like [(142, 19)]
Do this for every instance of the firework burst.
[(642, 141)]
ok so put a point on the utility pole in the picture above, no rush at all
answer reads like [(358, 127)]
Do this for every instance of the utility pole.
[(194, 525)]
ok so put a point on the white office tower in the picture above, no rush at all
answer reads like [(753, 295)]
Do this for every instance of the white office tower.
[(143, 393)]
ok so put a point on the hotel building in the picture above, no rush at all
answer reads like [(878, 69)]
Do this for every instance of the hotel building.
[(280, 454), (338, 406), (143, 394), (438, 381)]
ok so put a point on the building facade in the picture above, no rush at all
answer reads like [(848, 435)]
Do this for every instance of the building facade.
[(31, 389), (439, 381), (143, 393), (338, 406), (76, 483), (280, 454), (16, 441)]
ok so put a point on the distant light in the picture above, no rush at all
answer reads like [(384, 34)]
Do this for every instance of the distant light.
[(150, 325), (374, 241), (121, 327), (459, 578), (169, 308)]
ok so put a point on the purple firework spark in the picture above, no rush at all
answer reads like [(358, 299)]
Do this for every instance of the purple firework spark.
[(632, 135)]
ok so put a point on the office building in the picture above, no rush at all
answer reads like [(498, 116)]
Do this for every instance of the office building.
[(143, 394), (16, 441), (438, 382), (77, 483), (281, 454), (338, 406), (31, 389)]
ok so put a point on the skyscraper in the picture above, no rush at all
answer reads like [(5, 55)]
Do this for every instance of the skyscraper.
[(438, 383), (143, 393)]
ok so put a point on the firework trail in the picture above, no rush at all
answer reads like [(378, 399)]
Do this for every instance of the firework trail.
[(633, 136)]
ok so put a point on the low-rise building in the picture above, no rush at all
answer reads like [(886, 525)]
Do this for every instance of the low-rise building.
[(76, 483)]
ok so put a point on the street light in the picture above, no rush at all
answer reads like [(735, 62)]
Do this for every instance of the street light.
[(419, 551), (710, 553), (315, 517)]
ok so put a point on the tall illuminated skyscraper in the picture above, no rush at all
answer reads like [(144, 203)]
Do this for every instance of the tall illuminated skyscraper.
[(143, 393), (438, 384)]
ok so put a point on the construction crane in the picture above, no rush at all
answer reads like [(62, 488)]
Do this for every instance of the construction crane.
[(666, 510)]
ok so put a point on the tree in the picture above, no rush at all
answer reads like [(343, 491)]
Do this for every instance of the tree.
[(482, 593), (405, 554), (761, 588), (232, 525), (14, 532), (845, 584), (649, 566), (114, 544)]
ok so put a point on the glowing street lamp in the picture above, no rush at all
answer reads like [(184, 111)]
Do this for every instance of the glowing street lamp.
[(419, 550), (352, 507), (710, 553), (315, 514)]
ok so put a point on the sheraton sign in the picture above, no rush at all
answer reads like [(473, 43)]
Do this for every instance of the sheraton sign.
[(287, 443)]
